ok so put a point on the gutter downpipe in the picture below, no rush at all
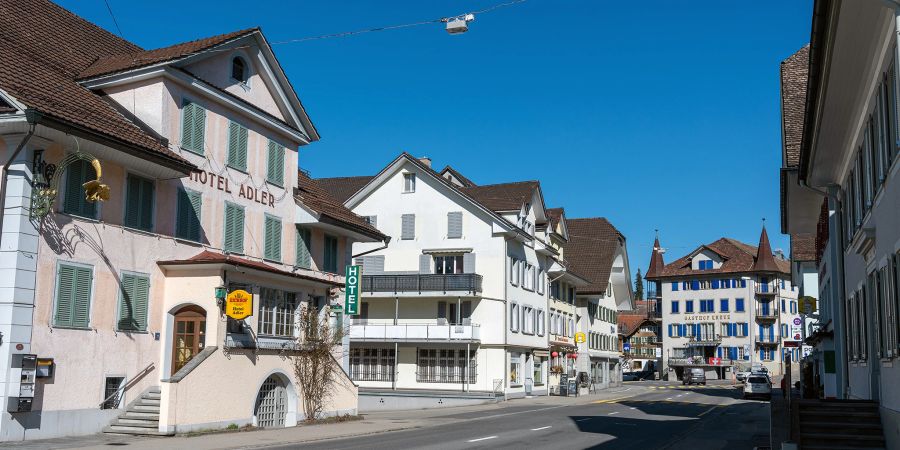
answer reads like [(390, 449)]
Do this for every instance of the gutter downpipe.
[(32, 117), (386, 240)]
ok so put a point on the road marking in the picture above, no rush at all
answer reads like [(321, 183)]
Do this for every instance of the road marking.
[(632, 407), (707, 411), (522, 412), (612, 400), (582, 420), (670, 398), (482, 439), (541, 428), (613, 413)]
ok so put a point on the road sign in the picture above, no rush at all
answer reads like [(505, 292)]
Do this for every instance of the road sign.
[(351, 290), (658, 352), (626, 347), (797, 321)]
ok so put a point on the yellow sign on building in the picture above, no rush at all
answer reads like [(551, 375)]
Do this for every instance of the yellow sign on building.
[(807, 304), (579, 337), (239, 304)]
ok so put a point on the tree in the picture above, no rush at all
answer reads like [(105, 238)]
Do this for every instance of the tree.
[(639, 286), (315, 367)]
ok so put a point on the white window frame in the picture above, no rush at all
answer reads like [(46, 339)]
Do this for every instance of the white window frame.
[(409, 182), (514, 317)]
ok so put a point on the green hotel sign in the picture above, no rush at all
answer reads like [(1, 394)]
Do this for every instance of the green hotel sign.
[(351, 290)]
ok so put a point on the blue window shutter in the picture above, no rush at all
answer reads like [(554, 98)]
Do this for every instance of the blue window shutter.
[(675, 286), (743, 283), (715, 284), (670, 330), (745, 327), (695, 285), (684, 285), (719, 352)]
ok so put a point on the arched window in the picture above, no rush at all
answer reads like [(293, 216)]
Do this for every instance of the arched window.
[(239, 69)]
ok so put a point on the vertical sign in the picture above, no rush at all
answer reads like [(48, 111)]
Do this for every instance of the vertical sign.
[(351, 290)]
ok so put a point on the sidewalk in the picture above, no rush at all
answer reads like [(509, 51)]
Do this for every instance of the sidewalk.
[(374, 423)]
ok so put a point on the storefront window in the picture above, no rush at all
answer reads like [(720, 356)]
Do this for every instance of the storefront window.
[(514, 369), (538, 371)]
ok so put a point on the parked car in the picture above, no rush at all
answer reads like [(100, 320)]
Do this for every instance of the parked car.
[(630, 376), (694, 375), (741, 376), (646, 375), (758, 385)]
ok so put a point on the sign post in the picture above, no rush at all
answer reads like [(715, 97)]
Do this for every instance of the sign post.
[(351, 290)]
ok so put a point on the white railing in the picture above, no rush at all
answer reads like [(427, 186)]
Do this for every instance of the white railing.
[(415, 332)]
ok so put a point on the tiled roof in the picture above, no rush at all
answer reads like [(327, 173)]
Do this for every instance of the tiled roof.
[(459, 177), (311, 194), (135, 59), (656, 260), (765, 260), (504, 196), (630, 321), (209, 257), (803, 247), (794, 72), (738, 257), (43, 48), (591, 250), (6, 107), (342, 188)]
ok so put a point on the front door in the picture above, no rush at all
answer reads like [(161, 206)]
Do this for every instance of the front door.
[(189, 329)]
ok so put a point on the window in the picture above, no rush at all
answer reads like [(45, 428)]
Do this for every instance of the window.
[(304, 249), (707, 306), (688, 306), (372, 364), (330, 263), (239, 70), (134, 298), (541, 281), (193, 124), (113, 393), (674, 286), (739, 305), (237, 146), (675, 307), (187, 220), (445, 366), (272, 249), (73, 296), (723, 307), (371, 220), (528, 320), (448, 264), (514, 368), (705, 264), (408, 226), (275, 163), (513, 317), (528, 279), (409, 182), (139, 203), (75, 202), (537, 376), (454, 225), (541, 325), (234, 228), (277, 313)]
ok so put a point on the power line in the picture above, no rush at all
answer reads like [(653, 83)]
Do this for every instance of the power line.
[(116, 22)]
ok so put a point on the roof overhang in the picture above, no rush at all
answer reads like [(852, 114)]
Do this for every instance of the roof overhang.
[(252, 270), (307, 217), (800, 205)]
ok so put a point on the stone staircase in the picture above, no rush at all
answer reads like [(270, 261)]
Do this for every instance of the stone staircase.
[(141, 417), (840, 424)]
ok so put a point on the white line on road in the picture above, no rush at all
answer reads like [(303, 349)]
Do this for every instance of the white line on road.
[(670, 398), (613, 413), (582, 420), (541, 428), (482, 439), (633, 407)]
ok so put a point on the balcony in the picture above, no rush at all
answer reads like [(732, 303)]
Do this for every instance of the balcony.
[(765, 289), (768, 339), (705, 340), (415, 332), (767, 315), (460, 283)]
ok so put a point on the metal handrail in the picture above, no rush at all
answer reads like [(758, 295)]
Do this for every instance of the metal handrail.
[(459, 282), (137, 377)]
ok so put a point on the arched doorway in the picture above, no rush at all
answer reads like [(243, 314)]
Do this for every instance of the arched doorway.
[(271, 403), (189, 330)]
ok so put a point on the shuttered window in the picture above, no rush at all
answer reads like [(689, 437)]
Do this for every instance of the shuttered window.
[(454, 225), (275, 163), (273, 238), (234, 228), (73, 296), (304, 248), (78, 173), (331, 251), (193, 126), (187, 219), (237, 146), (408, 226), (139, 201), (133, 301)]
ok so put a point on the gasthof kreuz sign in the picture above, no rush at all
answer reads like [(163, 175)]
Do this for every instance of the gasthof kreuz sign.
[(239, 304), (351, 290)]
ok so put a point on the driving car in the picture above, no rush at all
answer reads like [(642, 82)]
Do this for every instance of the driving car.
[(758, 385), (694, 375)]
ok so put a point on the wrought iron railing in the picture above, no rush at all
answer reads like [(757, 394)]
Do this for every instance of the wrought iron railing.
[(460, 282)]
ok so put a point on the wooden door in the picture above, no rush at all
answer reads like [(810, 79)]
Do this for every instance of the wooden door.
[(188, 339)]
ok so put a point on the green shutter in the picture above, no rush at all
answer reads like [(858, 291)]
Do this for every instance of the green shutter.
[(73, 296), (139, 203), (275, 163), (188, 215), (234, 228), (193, 125), (74, 201), (81, 312), (134, 299), (194, 215), (199, 129), (237, 146), (273, 238), (304, 258), (65, 289)]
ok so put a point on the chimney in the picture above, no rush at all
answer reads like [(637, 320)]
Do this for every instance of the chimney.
[(425, 160)]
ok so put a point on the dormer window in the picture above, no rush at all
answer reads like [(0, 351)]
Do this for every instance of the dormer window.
[(239, 70)]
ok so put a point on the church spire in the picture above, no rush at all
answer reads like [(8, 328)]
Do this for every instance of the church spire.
[(765, 261), (656, 259)]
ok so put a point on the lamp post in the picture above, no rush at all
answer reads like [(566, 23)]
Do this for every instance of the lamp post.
[(752, 305)]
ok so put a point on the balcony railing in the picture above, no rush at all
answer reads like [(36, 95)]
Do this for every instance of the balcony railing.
[(705, 340), (415, 332), (767, 339), (460, 282), (770, 314), (765, 289)]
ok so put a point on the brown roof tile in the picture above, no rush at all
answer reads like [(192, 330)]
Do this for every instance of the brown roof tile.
[(311, 193), (209, 257), (803, 247), (503, 196), (656, 260), (462, 179), (591, 250), (794, 71), (765, 260), (342, 188), (737, 256), (136, 59)]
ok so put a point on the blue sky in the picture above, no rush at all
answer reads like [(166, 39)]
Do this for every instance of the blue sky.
[(654, 114)]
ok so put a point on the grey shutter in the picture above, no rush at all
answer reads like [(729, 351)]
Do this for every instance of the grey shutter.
[(442, 310), (468, 263), (373, 264), (408, 226), (466, 309), (454, 225), (424, 263), (303, 248)]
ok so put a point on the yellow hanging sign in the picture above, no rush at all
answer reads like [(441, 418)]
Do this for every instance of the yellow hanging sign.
[(807, 304), (579, 337), (239, 304)]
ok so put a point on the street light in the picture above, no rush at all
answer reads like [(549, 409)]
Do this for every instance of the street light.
[(459, 24)]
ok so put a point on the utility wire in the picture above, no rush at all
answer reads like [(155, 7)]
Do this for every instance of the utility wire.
[(116, 22)]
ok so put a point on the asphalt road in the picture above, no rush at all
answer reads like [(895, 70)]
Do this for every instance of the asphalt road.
[(659, 415)]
